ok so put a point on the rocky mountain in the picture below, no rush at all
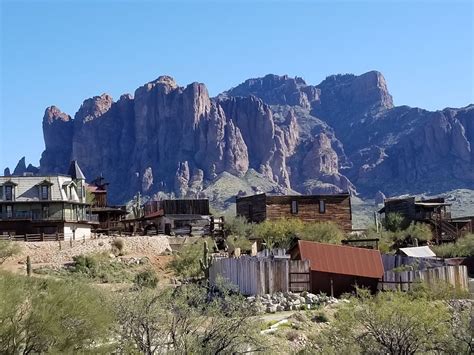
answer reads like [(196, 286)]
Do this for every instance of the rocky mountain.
[(275, 133)]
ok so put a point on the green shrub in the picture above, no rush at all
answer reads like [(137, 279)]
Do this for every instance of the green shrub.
[(186, 261), (146, 278), (323, 232), (238, 226), (320, 317), (238, 242), (7, 250), (394, 222), (463, 247), (118, 245)]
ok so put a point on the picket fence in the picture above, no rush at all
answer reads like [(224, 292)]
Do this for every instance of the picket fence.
[(257, 276)]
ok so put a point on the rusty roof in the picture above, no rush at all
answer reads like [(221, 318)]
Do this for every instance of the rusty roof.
[(340, 259)]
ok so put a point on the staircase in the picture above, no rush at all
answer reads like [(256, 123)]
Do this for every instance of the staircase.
[(445, 230)]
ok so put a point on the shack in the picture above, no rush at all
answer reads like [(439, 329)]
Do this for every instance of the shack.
[(309, 208), (337, 269), (177, 217), (435, 212)]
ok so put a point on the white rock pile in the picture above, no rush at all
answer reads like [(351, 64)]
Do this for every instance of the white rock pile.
[(288, 301)]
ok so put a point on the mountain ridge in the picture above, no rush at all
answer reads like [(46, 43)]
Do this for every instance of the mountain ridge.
[(344, 134)]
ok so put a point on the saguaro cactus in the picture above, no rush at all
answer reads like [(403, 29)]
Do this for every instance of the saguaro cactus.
[(206, 261), (28, 265)]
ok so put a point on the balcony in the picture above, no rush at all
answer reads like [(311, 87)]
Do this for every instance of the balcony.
[(35, 216)]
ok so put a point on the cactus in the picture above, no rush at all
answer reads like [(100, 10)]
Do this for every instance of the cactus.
[(28, 265), (206, 261)]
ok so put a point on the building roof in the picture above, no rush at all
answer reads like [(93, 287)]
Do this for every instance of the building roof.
[(339, 259), (75, 171), (418, 252), (27, 188)]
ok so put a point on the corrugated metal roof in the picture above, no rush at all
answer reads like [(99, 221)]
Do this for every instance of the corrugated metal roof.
[(418, 252), (339, 259)]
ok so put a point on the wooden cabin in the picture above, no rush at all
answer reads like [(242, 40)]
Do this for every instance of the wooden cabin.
[(435, 212), (177, 217), (309, 208)]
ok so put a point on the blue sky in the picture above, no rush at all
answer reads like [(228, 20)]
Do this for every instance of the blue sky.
[(62, 52)]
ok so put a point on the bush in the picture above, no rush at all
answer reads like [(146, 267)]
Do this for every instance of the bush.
[(186, 262), (320, 317), (118, 245), (50, 316), (238, 242), (464, 247), (323, 232), (238, 226), (7, 250), (394, 222), (147, 278)]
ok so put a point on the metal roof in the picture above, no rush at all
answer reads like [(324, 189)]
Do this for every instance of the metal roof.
[(418, 252), (339, 259), (432, 204)]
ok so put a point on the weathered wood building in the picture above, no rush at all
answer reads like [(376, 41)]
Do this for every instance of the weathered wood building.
[(109, 217), (182, 216), (435, 212), (309, 208)]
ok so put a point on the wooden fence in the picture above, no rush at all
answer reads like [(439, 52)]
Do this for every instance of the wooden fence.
[(391, 262), (33, 237), (406, 280), (257, 276)]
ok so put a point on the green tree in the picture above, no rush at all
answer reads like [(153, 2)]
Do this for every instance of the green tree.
[(38, 316)]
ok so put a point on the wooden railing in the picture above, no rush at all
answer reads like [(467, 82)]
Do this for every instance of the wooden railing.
[(33, 237)]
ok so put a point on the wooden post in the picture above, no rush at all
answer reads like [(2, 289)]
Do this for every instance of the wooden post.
[(42, 237), (332, 288), (57, 236), (28, 265)]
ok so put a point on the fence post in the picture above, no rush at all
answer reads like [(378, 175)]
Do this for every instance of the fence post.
[(42, 237), (57, 236), (28, 265), (26, 237)]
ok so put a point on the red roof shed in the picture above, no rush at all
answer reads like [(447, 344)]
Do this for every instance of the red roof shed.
[(336, 269)]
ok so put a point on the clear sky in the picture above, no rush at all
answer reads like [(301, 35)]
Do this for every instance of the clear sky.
[(62, 52)]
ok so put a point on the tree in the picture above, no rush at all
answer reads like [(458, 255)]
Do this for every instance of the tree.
[(7, 250), (186, 320), (38, 316)]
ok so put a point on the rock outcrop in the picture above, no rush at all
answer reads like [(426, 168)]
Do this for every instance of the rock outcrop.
[(341, 135)]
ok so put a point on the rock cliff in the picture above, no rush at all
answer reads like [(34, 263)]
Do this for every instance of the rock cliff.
[(341, 135)]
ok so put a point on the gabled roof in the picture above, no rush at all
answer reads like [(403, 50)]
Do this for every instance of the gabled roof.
[(418, 252), (75, 171), (340, 259)]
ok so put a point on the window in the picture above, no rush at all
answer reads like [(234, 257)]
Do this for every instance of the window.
[(9, 193), (44, 192), (294, 207), (9, 211), (322, 206), (45, 209)]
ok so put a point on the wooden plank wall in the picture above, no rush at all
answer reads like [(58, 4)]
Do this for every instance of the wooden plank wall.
[(406, 280), (252, 207), (197, 206), (405, 207), (391, 262), (258, 276), (338, 209)]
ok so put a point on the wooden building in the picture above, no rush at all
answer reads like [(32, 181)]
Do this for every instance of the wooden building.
[(337, 269), (177, 217), (109, 217), (309, 208), (46, 204), (435, 212)]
